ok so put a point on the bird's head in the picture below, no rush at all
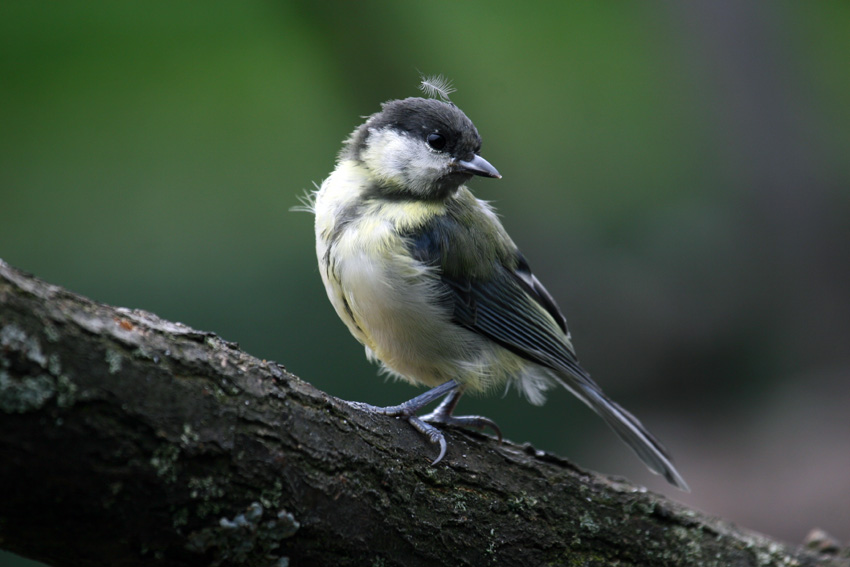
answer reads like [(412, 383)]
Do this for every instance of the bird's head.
[(418, 148)]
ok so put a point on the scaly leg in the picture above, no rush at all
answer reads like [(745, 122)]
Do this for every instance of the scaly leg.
[(441, 415), (408, 411)]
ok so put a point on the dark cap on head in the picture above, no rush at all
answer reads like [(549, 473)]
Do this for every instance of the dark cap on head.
[(420, 117)]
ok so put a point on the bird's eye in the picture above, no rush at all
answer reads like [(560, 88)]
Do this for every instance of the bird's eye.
[(436, 141)]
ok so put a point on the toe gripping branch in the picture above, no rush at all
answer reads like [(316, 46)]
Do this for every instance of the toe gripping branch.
[(442, 415)]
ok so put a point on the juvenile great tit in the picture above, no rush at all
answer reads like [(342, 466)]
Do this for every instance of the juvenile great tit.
[(424, 275)]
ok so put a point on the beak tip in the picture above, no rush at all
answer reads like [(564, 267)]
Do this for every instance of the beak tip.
[(480, 166)]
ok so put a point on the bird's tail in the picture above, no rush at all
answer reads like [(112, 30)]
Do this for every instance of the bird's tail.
[(631, 431)]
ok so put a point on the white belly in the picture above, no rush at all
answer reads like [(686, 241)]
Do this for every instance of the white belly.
[(391, 302)]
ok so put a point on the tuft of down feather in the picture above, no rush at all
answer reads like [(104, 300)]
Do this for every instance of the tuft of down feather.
[(437, 86)]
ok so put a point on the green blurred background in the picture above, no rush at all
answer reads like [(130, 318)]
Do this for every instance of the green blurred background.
[(676, 174)]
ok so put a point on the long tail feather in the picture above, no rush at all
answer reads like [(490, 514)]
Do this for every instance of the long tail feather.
[(627, 427)]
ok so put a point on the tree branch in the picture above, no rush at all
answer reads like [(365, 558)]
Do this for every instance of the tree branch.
[(126, 440)]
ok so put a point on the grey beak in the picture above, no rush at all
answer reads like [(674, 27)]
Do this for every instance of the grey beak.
[(479, 166)]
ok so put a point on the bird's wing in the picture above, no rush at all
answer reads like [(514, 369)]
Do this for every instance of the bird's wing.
[(504, 310), (536, 290), (504, 301), (511, 307), (515, 310)]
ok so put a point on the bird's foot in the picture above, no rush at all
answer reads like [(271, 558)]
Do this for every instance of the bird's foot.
[(408, 409), (468, 421), (433, 434), (442, 415)]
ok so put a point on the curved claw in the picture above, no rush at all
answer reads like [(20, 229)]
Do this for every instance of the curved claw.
[(442, 454), (486, 422), (433, 434)]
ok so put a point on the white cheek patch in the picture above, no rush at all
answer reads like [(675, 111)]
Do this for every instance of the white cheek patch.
[(404, 160)]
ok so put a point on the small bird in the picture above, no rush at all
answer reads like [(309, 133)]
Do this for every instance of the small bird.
[(424, 275)]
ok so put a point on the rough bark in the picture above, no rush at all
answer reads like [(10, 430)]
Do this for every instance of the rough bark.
[(129, 440)]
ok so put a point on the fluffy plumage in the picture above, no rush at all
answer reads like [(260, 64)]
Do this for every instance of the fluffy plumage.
[(425, 276), (437, 86)]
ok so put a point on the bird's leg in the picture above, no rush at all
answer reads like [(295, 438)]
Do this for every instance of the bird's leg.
[(408, 411), (442, 415)]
